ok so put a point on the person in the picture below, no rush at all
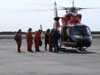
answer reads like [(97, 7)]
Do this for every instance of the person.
[(55, 37), (18, 39), (37, 39), (50, 42), (46, 38), (29, 40)]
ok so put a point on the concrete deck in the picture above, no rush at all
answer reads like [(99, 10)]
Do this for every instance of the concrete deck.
[(48, 63)]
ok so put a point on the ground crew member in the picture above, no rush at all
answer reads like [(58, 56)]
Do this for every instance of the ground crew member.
[(46, 38), (18, 39), (29, 40), (55, 37), (37, 39)]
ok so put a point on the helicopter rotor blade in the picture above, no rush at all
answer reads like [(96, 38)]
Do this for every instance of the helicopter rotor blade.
[(90, 8), (77, 8), (61, 8), (65, 8), (40, 10), (35, 10)]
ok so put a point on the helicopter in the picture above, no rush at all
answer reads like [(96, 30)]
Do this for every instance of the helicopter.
[(73, 33)]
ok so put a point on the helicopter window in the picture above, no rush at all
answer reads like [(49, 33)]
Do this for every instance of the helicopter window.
[(80, 30)]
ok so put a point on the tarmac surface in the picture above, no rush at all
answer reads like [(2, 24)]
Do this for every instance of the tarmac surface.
[(68, 62)]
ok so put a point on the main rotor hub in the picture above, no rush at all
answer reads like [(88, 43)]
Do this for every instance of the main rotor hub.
[(73, 9)]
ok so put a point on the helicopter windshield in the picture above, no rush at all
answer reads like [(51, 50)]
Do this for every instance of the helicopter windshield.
[(80, 30)]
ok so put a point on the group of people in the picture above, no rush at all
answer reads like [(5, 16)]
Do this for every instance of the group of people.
[(51, 39), (29, 40)]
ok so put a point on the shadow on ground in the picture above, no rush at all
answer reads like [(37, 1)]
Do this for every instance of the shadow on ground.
[(75, 51)]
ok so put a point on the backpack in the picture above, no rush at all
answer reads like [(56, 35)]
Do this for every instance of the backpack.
[(40, 43), (16, 37)]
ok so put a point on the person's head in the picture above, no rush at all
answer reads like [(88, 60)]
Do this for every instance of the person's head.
[(30, 29), (19, 31), (48, 30), (40, 30), (52, 30)]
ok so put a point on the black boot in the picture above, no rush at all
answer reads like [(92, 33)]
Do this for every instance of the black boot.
[(19, 51), (30, 51)]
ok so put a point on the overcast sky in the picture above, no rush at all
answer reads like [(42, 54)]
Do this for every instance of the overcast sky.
[(16, 14)]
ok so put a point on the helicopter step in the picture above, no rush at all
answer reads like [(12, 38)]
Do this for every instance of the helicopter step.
[(68, 44)]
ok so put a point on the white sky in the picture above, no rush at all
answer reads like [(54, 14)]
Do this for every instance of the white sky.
[(15, 14)]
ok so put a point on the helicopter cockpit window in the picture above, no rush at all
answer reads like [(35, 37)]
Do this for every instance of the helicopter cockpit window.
[(81, 30)]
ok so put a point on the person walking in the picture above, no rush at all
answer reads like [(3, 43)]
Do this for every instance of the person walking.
[(37, 39), (29, 38), (18, 39)]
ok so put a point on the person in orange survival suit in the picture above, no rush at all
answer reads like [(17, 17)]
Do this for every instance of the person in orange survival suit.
[(29, 40), (50, 41), (18, 39), (37, 39)]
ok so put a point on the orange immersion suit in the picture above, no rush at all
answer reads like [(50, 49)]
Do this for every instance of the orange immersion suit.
[(19, 42), (29, 40), (37, 39), (50, 42)]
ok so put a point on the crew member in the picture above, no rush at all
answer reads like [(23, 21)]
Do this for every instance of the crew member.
[(46, 38), (55, 37), (29, 40), (37, 39), (50, 41), (18, 39)]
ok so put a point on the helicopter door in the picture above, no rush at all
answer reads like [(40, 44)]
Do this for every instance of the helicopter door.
[(64, 34)]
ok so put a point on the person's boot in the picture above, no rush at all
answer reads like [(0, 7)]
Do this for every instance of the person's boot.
[(45, 49), (30, 50), (19, 51)]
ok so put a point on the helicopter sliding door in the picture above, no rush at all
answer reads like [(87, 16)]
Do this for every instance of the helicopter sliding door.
[(63, 34)]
